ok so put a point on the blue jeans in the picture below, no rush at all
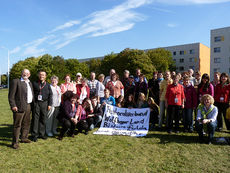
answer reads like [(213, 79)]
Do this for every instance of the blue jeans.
[(188, 118), (211, 127)]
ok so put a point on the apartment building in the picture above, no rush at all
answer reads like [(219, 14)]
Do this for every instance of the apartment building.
[(220, 50), (195, 56)]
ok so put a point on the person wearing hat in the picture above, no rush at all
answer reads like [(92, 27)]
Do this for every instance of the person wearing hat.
[(78, 78)]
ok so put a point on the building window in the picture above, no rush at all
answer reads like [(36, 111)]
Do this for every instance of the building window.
[(181, 68), (217, 39), (217, 60), (182, 60), (216, 49), (174, 53), (216, 69), (191, 59), (192, 67), (182, 52), (174, 60), (192, 51)]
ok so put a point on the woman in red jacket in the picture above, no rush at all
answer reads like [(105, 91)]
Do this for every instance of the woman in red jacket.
[(83, 90), (174, 101), (221, 96)]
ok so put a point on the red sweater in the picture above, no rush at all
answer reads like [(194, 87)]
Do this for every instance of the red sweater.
[(79, 87), (175, 94), (222, 93)]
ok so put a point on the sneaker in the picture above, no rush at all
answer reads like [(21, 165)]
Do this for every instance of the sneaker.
[(15, 146), (34, 139), (50, 134), (60, 138), (91, 127), (43, 137), (26, 141)]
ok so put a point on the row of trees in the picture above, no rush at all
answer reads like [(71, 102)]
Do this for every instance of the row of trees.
[(148, 61)]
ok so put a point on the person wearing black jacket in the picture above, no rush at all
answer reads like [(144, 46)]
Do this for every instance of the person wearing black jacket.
[(20, 99), (154, 88), (43, 102)]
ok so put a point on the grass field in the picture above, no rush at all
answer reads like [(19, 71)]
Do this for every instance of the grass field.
[(158, 152)]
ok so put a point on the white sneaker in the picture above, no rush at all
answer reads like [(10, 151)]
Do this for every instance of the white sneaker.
[(50, 134)]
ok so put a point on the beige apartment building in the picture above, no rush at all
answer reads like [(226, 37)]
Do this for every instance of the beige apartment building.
[(220, 50), (195, 56)]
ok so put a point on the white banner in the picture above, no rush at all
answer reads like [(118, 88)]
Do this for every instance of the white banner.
[(124, 121)]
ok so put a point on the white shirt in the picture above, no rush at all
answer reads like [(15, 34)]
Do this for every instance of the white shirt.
[(56, 95), (29, 91)]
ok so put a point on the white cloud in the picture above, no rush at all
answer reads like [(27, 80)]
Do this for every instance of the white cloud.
[(162, 10), (117, 19), (187, 2), (31, 48), (66, 25), (15, 50)]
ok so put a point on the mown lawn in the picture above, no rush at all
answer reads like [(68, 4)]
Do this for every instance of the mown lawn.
[(158, 152)]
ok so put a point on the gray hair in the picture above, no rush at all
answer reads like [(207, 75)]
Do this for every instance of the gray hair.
[(54, 77)]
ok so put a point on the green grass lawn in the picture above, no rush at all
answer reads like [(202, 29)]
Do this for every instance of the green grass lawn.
[(157, 152)]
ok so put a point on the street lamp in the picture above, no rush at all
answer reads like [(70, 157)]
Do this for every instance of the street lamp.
[(8, 74)]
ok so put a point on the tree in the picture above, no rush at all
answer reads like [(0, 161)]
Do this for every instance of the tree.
[(108, 63), (3, 79), (73, 66), (94, 65), (131, 59), (45, 63), (59, 68), (161, 59), (29, 63)]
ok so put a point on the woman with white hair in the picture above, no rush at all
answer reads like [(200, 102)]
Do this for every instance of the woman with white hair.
[(51, 122), (206, 118)]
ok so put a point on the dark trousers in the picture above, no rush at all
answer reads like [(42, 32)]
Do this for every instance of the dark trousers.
[(39, 118), (173, 113), (67, 124), (85, 124), (211, 127), (21, 124), (222, 107)]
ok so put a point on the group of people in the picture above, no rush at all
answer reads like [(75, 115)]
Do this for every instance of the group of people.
[(79, 104)]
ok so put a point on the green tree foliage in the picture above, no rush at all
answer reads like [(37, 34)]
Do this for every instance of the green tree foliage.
[(4, 79), (29, 63), (108, 63), (161, 59), (73, 66), (45, 63), (59, 68), (94, 65), (131, 59), (52, 65)]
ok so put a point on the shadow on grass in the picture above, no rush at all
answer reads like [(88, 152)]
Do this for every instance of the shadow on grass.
[(183, 138), (177, 138), (5, 134)]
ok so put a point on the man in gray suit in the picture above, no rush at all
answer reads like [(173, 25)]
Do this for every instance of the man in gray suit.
[(20, 98)]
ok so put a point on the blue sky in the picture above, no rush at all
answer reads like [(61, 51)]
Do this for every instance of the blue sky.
[(92, 28)]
